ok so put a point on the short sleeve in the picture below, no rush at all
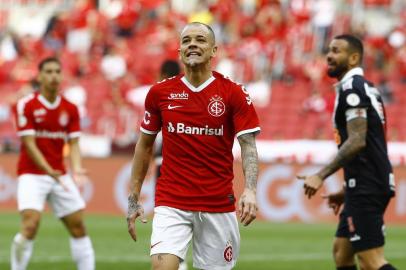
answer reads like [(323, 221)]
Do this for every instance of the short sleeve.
[(151, 123), (74, 123), (245, 118), (24, 119), (354, 96)]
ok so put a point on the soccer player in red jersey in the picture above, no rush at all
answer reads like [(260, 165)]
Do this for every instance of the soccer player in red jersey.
[(45, 120), (200, 113)]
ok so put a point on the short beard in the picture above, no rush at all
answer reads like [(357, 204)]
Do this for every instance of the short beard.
[(338, 71)]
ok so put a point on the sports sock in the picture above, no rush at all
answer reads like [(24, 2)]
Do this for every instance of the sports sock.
[(352, 267), (82, 253), (21, 250), (182, 265), (387, 267)]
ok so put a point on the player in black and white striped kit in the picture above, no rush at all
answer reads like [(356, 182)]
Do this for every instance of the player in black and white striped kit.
[(360, 128)]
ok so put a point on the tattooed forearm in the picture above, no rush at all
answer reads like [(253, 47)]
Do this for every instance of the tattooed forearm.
[(249, 158), (356, 141), (133, 204)]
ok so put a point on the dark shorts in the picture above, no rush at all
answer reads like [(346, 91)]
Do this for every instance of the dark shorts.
[(362, 222)]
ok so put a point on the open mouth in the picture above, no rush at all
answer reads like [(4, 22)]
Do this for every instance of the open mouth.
[(330, 65), (193, 54)]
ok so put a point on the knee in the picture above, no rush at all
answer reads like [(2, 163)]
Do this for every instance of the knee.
[(30, 228), (77, 229)]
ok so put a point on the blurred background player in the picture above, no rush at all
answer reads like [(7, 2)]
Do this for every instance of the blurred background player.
[(200, 114), (169, 68), (360, 123), (45, 120)]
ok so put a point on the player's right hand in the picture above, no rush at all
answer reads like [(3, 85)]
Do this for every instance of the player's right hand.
[(55, 174), (135, 210), (334, 201), (312, 183)]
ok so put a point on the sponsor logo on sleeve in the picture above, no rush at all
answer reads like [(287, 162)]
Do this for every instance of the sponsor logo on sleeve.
[(353, 99), (147, 116), (22, 121)]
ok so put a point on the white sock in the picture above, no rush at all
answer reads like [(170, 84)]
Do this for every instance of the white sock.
[(21, 250), (182, 265), (82, 253)]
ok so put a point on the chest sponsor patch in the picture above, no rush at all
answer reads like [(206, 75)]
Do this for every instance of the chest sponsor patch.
[(353, 99)]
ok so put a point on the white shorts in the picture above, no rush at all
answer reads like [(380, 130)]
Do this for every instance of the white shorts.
[(216, 237), (33, 190)]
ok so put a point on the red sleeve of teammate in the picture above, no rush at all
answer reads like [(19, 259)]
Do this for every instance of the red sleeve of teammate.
[(24, 118), (74, 123), (151, 124), (245, 118)]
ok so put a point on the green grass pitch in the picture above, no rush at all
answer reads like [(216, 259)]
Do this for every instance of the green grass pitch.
[(269, 246)]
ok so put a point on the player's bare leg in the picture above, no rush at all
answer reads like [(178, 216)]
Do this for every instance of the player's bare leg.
[(165, 262), (81, 246), (21, 248), (343, 254), (373, 259)]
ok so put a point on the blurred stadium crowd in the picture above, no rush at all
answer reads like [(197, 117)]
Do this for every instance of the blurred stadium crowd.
[(112, 50)]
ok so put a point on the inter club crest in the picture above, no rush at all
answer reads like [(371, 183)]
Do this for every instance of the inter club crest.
[(228, 252), (216, 106), (63, 118)]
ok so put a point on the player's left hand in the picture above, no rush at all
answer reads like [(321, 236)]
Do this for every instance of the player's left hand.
[(312, 184), (247, 206)]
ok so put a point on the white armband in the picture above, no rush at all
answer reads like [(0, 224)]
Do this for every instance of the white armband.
[(355, 113)]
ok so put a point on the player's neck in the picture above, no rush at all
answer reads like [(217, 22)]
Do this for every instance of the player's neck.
[(49, 95), (197, 77)]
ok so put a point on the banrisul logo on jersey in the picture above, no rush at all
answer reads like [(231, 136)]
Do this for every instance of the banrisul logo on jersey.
[(182, 128)]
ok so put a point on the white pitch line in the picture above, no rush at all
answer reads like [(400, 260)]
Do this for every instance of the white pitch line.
[(245, 257)]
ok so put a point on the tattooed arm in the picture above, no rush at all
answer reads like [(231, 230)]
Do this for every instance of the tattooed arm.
[(356, 141), (247, 205), (141, 160)]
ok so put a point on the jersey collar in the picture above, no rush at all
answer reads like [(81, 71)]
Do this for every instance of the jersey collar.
[(201, 87), (48, 104), (351, 73)]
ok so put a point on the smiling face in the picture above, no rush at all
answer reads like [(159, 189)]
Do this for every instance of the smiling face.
[(338, 58), (343, 54), (197, 45)]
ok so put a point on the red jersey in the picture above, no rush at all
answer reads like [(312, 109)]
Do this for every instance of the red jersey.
[(51, 124), (198, 129)]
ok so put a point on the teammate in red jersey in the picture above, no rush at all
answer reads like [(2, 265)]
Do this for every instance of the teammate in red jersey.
[(45, 120), (200, 113)]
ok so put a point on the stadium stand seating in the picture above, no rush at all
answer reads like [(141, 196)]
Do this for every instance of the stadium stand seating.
[(282, 57)]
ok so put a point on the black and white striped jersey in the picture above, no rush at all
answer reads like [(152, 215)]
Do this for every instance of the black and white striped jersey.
[(370, 172)]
